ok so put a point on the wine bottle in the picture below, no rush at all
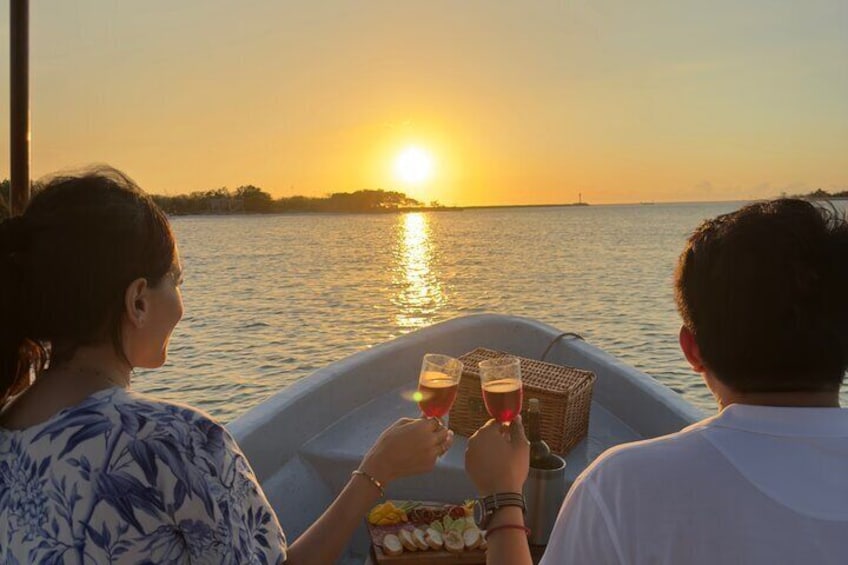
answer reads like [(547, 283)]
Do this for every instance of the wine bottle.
[(540, 452)]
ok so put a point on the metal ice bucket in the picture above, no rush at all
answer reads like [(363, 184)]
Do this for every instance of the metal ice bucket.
[(544, 492)]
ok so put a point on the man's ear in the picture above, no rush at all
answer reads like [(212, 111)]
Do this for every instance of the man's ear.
[(136, 302), (690, 349)]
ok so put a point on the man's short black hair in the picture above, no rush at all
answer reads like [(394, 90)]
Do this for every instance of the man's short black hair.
[(764, 290)]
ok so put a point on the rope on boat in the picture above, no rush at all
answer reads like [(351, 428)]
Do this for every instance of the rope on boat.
[(555, 340)]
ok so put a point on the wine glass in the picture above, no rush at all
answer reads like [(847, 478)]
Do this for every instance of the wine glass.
[(500, 380), (437, 384)]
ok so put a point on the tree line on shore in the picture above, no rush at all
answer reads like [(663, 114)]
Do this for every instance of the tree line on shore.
[(253, 200)]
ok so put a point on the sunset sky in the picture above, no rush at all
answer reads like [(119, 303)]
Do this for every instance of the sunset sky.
[(499, 102)]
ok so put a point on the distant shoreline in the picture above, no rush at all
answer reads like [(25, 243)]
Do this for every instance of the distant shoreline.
[(526, 206), (374, 211), (472, 208)]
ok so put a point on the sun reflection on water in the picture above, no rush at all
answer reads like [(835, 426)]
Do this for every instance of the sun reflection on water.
[(419, 293)]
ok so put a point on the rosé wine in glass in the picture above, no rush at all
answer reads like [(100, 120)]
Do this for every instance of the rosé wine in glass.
[(437, 391), (503, 399), (438, 383), (500, 380)]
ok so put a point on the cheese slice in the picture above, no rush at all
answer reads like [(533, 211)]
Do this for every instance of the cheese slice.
[(392, 545), (407, 541), (454, 542), (418, 539), (434, 539)]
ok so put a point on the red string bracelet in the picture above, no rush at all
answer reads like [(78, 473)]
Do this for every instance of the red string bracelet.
[(490, 531)]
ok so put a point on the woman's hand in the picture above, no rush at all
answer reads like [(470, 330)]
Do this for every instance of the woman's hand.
[(407, 447), (497, 459)]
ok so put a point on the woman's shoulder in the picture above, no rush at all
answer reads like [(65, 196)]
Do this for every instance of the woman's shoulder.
[(116, 417), (158, 411), (148, 419), (136, 413)]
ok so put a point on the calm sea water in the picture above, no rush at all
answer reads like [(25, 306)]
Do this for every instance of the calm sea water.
[(269, 299)]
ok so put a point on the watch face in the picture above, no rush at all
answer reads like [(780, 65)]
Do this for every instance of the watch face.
[(479, 512), (484, 508)]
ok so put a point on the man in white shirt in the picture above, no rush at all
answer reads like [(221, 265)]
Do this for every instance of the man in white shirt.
[(762, 294)]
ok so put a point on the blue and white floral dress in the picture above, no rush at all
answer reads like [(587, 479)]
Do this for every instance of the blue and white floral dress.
[(125, 478)]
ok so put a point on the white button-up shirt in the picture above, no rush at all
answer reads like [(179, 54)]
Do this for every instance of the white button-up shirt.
[(752, 485)]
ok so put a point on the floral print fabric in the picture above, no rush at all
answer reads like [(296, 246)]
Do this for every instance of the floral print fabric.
[(122, 478)]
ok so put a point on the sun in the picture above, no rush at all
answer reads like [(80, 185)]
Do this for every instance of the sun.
[(414, 165)]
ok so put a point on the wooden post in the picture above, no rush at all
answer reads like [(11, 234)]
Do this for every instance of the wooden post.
[(19, 105)]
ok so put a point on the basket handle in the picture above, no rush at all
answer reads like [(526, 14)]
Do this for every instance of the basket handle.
[(554, 341)]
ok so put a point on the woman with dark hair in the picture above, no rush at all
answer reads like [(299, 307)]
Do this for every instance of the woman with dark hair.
[(91, 471)]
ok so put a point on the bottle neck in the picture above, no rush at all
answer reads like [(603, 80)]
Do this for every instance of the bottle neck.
[(534, 432)]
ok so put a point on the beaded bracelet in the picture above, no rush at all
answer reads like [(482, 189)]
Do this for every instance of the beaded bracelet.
[(377, 484), (490, 531)]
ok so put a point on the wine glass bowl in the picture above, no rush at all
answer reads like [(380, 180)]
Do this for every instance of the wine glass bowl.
[(438, 383), (500, 380)]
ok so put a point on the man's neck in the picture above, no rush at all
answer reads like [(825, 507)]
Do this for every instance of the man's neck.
[(725, 396), (785, 399)]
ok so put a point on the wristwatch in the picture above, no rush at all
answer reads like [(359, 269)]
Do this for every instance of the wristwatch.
[(485, 508)]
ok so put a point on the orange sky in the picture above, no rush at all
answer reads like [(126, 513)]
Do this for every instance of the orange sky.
[(516, 102)]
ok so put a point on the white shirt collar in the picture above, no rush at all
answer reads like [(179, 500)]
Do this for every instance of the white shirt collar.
[(784, 421)]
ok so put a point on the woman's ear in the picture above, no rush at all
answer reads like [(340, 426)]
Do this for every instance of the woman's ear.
[(136, 302), (690, 349)]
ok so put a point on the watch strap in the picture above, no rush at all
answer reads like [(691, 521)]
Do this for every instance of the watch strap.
[(488, 505)]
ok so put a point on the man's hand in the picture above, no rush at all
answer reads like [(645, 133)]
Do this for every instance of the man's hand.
[(497, 458)]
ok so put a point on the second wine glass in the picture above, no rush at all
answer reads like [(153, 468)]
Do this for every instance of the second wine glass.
[(500, 380)]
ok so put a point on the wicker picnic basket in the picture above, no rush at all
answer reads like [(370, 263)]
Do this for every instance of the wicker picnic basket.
[(564, 393)]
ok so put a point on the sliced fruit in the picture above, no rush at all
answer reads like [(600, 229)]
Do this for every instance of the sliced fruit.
[(448, 522), (458, 525), (386, 514), (457, 512)]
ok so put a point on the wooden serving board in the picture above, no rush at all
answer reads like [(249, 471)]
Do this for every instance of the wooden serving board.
[(475, 557), (425, 557)]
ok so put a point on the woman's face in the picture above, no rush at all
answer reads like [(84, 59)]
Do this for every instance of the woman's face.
[(165, 308)]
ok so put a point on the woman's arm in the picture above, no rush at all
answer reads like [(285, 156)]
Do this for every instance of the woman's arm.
[(326, 539), (409, 447)]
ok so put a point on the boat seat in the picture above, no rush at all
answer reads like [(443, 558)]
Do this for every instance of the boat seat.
[(330, 457)]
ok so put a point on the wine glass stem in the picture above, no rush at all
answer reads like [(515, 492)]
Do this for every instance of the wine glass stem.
[(436, 418)]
